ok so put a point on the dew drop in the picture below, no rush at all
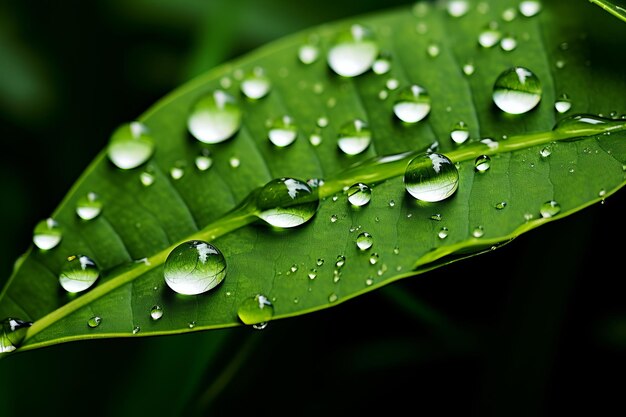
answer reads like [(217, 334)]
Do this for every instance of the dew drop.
[(79, 273), (354, 137), (12, 333), (130, 145), (287, 202), (194, 267), (457, 8), (359, 194), (433, 50), (563, 104), (333, 297), (508, 43), (431, 177), (312, 273), (315, 139), (381, 65), (482, 163), (586, 125), (308, 53), (47, 234), (334, 218), (215, 118), (136, 329), (412, 104), (500, 205), (443, 233), (549, 209), (146, 178), (234, 162), (364, 241), (489, 36), (89, 206), (94, 321), (517, 90), (282, 131), (340, 261), (468, 69), (320, 262), (508, 15), (204, 161), (545, 152), (256, 85), (530, 8), (354, 52), (178, 170), (156, 312), (256, 311), (374, 258), (478, 231), (460, 133)]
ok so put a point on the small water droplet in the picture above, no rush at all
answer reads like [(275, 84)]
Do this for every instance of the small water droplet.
[(256, 311), (359, 194), (374, 258), (178, 170), (563, 104), (322, 121), (545, 152), (156, 312), (460, 133), (89, 206), (332, 297), (191, 324), (457, 8), (354, 137), (354, 52), (364, 241), (478, 231), (508, 43), (468, 69), (312, 273), (94, 322), (382, 64), (79, 273), (204, 160), (315, 139), (136, 329), (320, 262), (12, 333), (215, 117), (433, 50), (47, 234), (146, 178), (443, 233), (489, 36), (333, 218), (234, 162), (294, 268), (392, 203), (530, 8), (500, 205), (256, 85), (287, 202), (308, 53), (282, 131), (341, 261), (369, 281), (437, 217), (549, 209), (517, 90), (412, 104), (482, 163), (508, 15), (194, 267), (431, 177), (130, 145)]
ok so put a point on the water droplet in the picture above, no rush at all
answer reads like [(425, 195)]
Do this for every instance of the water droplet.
[(374, 258), (364, 241), (563, 104), (191, 324), (468, 69), (332, 297), (315, 139), (545, 152), (530, 8), (580, 125), (460, 133), (333, 218), (359, 194), (319, 262), (354, 137), (287, 202), (79, 273), (382, 64), (178, 170), (234, 162), (341, 261), (482, 163), (12, 332), (500, 205), (457, 8), (549, 209), (47, 234), (412, 104), (489, 36), (256, 311), (215, 118), (392, 83), (282, 131), (354, 52), (431, 177), (508, 15), (146, 178), (312, 273), (508, 43), (204, 160), (392, 203), (517, 90), (322, 122), (433, 50), (478, 231), (443, 233), (256, 85), (194, 267), (89, 206), (130, 145), (308, 53), (436, 217), (156, 312), (94, 322), (136, 329), (294, 268)]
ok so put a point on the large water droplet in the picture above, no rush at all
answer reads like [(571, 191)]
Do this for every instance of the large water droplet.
[(364, 241), (431, 177), (47, 234), (412, 104), (517, 90), (256, 311), (215, 117), (354, 52), (256, 85), (287, 202), (354, 137), (12, 333), (359, 194), (89, 206), (194, 267), (130, 145), (79, 273), (549, 209), (580, 125), (282, 131)]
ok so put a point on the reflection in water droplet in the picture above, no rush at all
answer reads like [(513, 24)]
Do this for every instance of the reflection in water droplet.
[(354, 137), (530, 8), (89, 206), (47, 234), (287, 202), (460, 133), (549, 209), (482, 163), (130, 145), (156, 312), (256, 311), (308, 53), (364, 241), (517, 90), (431, 177), (194, 267), (282, 131), (256, 85), (215, 118), (12, 332), (412, 104), (79, 273), (359, 194), (94, 322), (354, 52)]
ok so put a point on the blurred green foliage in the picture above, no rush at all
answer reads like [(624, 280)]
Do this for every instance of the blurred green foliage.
[(535, 328)]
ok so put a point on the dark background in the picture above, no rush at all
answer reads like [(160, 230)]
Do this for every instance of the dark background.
[(535, 328)]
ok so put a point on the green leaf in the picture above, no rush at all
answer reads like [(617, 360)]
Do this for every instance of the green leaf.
[(612, 7), (140, 225)]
